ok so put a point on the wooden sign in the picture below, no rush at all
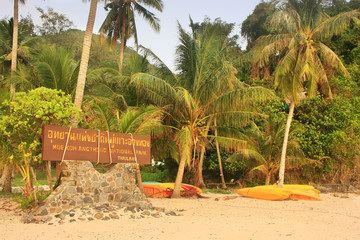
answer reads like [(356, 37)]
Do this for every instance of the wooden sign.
[(63, 143)]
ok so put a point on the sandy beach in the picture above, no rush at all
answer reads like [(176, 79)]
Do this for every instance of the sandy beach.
[(218, 216)]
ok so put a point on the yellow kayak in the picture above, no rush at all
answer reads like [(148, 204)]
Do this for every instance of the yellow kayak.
[(264, 193), (294, 187), (273, 192)]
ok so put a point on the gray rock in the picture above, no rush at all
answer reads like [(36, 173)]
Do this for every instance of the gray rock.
[(43, 212), (88, 200), (171, 213), (29, 218)]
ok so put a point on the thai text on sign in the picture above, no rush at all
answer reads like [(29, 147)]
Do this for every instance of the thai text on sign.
[(63, 143)]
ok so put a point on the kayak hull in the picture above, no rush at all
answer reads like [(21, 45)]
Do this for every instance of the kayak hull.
[(164, 190), (289, 191)]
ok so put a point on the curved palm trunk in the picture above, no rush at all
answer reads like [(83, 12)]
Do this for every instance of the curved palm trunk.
[(199, 181), (286, 138), (14, 45), (122, 45), (219, 157), (177, 187), (79, 94)]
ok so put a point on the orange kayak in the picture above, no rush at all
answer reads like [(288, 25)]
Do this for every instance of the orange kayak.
[(164, 190)]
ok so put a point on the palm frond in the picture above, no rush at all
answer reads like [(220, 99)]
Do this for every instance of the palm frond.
[(163, 71), (335, 25), (141, 121), (230, 144), (157, 90)]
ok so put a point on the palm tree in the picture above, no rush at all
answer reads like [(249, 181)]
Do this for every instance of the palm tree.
[(265, 147), (52, 67), (57, 69), (298, 31), (24, 51), (79, 93), (188, 117), (103, 114), (205, 89), (206, 71), (120, 22)]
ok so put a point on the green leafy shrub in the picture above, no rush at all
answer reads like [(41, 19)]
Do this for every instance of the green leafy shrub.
[(331, 137), (22, 123)]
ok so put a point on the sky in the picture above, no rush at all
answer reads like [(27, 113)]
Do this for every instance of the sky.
[(164, 43)]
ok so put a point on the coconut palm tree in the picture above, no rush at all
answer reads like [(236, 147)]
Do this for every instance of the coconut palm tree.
[(299, 29), (120, 22), (51, 67), (265, 148), (206, 70), (6, 35), (103, 114), (188, 117), (205, 89), (25, 48)]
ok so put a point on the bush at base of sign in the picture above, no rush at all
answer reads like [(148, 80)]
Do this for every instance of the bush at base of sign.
[(154, 174)]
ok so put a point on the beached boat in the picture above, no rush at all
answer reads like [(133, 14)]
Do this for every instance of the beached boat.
[(164, 190), (273, 192)]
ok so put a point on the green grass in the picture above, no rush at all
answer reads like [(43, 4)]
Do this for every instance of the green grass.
[(218, 191), (41, 178), (10, 195), (154, 175)]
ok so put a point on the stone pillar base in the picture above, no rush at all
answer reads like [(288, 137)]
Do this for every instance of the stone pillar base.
[(82, 185)]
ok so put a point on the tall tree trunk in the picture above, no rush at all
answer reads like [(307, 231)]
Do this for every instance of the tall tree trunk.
[(177, 187), (199, 181), (268, 177), (79, 94), (14, 45), (122, 45), (286, 138), (219, 157), (7, 175), (116, 32)]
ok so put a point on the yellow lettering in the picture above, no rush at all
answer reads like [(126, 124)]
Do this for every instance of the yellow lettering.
[(50, 134), (58, 147)]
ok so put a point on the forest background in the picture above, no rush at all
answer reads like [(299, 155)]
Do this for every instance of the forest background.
[(220, 113)]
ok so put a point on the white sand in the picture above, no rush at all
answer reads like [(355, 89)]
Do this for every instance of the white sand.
[(206, 218)]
